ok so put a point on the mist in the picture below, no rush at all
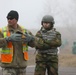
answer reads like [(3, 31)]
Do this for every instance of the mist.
[(31, 13), (30, 16), (64, 12)]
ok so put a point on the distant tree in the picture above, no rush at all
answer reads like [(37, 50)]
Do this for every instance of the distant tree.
[(64, 12)]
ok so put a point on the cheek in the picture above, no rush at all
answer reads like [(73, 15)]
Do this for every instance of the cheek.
[(9, 22), (13, 21), (48, 25)]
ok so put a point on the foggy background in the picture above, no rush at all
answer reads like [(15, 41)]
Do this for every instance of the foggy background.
[(30, 16), (32, 11)]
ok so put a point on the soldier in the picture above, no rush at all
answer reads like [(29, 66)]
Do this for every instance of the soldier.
[(48, 39), (14, 41)]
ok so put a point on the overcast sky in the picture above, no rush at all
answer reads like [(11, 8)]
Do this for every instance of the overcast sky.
[(29, 11)]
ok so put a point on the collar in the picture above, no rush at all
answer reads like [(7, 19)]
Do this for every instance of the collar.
[(10, 28)]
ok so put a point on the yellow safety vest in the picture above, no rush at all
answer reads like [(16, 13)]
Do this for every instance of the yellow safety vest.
[(7, 52)]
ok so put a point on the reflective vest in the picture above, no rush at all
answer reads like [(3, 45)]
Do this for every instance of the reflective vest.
[(7, 52)]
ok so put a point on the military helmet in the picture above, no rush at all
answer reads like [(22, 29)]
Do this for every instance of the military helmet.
[(48, 18)]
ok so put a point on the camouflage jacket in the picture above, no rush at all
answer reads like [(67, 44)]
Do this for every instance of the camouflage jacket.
[(48, 39), (18, 60)]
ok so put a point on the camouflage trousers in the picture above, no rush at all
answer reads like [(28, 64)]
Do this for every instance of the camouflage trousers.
[(13, 71), (46, 64)]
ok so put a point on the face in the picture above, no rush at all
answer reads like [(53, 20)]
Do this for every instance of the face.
[(12, 21), (46, 25)]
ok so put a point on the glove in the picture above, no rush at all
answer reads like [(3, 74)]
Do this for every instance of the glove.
[(14, 37), (26, 37), (29, 38)]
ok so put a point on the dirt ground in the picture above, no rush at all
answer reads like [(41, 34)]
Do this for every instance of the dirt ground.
[(67, 63), (66, 59)]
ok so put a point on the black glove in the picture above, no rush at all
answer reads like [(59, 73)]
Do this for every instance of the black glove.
[(14, 37)]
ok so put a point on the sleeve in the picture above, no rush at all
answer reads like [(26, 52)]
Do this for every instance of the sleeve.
[(2, 40), (32, 42), (28, 32), (56, 42), (39, 42)]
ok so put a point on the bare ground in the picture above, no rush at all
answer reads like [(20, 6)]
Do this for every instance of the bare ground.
[(67, 63), (66, 58)]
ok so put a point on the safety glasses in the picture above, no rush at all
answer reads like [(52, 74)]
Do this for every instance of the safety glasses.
[(11, 18)]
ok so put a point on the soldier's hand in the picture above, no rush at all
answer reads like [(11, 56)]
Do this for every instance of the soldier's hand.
[(29, 38), (14, 37), (26, 37)]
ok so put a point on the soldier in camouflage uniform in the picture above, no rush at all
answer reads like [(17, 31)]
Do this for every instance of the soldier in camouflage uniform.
[(48, 39), (14, 60)]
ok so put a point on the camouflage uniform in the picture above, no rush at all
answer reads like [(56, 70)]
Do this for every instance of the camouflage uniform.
[(19, 64), (46, 46), (14, 71)]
